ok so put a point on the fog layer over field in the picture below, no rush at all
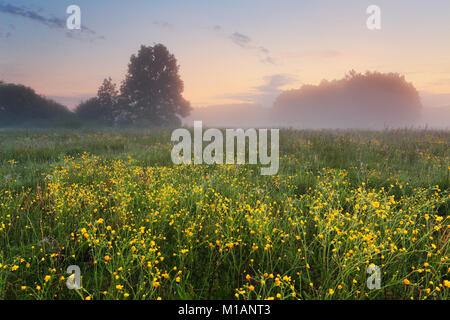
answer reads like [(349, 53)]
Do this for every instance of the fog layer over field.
[(363, 101), (250, 115)]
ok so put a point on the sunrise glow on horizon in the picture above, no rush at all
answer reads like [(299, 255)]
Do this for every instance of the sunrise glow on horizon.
[(229, 52)]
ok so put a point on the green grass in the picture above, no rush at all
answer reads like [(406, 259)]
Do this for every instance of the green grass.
[(111, 202)]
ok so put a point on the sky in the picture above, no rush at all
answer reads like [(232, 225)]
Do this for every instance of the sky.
[(229, 51)]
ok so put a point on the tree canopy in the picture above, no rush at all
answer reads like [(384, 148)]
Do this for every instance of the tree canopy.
[(22, 105), (101, 108), (151, 93), (153, 88), (358, 100)]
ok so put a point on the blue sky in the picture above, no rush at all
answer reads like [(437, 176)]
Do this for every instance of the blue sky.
[(229, 51)]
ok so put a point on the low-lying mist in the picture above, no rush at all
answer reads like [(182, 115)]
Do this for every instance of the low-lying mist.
[(358, 101)]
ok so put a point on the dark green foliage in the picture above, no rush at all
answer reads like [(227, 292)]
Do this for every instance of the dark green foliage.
[(22, 106), (150, 95), (153, 88), (101, 108)]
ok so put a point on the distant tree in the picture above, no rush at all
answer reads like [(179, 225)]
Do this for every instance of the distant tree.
[(107, 94), (90, 110), (108, 97), (101, 108), (152, 89), (22, 105), (370, 100)]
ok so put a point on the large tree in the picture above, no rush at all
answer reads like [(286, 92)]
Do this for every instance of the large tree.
[(152, 90)]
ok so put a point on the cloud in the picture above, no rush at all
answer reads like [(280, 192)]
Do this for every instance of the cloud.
[(266, 93), (163, 24), (275, 82), (264, 50), (240, 39), (27, 13), (7, 34), (268, 59), (51, 22), (246, 42)]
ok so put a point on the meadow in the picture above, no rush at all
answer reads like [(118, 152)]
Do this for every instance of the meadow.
[(112, 202)]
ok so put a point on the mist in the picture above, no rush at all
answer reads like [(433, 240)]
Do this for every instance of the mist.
[(358, 101)]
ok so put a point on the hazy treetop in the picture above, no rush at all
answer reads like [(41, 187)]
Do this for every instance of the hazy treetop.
[(357, 100)]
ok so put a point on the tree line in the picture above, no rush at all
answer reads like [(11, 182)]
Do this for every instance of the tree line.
[(20, 105), (150, 95)]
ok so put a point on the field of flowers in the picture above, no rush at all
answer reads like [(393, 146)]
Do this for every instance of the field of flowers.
[(112, 203)]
